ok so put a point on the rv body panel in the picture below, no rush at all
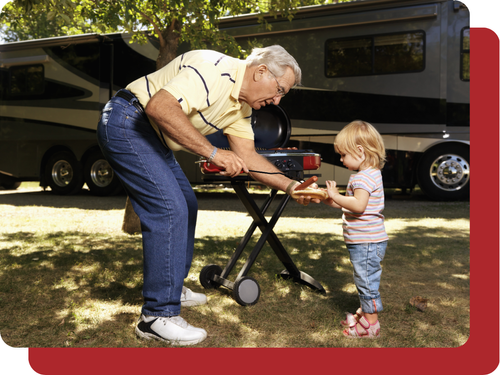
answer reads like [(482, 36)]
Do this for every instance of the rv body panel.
[(52, 93), (418, 106), (400, 65)]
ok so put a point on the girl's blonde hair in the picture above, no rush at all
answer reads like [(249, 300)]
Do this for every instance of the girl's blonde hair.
[(363, 134)]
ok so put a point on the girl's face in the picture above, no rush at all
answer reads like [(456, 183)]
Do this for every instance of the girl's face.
[(351, 161)]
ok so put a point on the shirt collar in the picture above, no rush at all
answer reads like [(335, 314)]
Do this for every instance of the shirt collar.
[(240, 74)]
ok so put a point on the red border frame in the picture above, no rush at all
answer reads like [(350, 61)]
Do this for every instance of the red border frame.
[(480, 355)]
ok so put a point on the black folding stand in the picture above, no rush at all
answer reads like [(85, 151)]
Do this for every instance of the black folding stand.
[(246, 290)]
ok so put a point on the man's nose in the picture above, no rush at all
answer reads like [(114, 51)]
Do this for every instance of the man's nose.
[(277, 99)]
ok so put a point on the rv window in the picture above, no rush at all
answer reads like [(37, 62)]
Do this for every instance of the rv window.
[(349, 57), (465, 55), (384, 54), (26, 80), (399, 53)]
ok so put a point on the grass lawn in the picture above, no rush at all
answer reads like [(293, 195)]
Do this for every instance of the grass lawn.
[(74, 279)]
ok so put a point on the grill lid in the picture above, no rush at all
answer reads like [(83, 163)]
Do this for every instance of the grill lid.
[(271, 127)]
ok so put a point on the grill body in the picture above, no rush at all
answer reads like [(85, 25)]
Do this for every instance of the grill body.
[(272, 131)]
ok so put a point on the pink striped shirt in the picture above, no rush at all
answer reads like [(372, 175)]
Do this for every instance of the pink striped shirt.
[(369, 225)]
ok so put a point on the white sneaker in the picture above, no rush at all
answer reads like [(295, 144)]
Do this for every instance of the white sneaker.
[(173, 330), (190, 298)]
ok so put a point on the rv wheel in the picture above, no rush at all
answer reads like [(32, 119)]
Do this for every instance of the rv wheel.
[(64, 173), (10, 185), (100, 177), (444, 172)]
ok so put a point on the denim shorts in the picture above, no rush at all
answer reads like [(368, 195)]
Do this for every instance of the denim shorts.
[(365, 259)]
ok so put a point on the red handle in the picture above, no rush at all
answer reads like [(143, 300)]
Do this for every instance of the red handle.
[(305, 184), (207, 168)]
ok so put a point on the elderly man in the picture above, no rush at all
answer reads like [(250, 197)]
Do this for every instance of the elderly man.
[(196, 94)]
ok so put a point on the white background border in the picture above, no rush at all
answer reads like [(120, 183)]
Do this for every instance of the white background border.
[(14, 361)]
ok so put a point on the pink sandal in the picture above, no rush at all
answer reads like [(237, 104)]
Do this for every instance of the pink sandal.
[(350, 318), (362, 329)]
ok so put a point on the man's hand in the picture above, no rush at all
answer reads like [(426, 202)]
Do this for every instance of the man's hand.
[(305, 199), (229, 161)]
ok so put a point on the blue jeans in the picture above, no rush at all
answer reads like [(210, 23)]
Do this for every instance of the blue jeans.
[(161, 196), (365, 259)]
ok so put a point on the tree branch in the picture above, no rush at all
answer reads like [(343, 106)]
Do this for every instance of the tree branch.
[(155, 26)]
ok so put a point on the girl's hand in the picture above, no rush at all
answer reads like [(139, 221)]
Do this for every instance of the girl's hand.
[(331, 188)]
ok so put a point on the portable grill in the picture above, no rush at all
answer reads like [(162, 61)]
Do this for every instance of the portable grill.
[(272, 131)]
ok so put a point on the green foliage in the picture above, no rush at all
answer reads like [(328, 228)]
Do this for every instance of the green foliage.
[(26, 20), (172, 22)]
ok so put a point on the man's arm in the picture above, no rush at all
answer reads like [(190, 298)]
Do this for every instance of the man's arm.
[(245, 148), (167, 113)]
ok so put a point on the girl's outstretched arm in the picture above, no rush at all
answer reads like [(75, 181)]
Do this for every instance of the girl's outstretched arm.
[(356, 203)]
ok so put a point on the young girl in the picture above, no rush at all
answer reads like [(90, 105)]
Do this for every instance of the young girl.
[(362, 149)]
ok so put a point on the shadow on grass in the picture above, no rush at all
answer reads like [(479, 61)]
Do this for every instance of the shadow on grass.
[(84, 200), (81, 289), (412, 207)]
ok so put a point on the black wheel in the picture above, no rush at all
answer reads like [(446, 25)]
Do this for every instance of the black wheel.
[(206, 276), (99, 176), (10, 185), (63, 173), (246, 291), (444, 172)]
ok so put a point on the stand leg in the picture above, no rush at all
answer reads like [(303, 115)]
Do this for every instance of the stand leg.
[(268, 235), (248, 235), (266, 228)]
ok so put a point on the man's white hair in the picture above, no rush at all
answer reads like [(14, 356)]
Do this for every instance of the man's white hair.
[(277, 59)]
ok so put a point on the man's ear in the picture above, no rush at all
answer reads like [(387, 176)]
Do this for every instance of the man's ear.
[(259, 72)]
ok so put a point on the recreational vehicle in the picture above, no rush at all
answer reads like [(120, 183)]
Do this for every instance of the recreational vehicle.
[(401, 65)]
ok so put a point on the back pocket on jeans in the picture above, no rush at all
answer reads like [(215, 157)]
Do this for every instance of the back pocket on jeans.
[(102, 131)]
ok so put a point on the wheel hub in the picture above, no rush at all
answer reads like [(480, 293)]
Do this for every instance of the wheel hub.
[(101, 173), (62, 173), (450, 172)]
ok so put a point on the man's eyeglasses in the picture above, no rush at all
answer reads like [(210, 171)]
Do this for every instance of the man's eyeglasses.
[(281, 90)]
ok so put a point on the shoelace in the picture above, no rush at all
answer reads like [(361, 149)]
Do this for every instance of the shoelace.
[(177, 320)]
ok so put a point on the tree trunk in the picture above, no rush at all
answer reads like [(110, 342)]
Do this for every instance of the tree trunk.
[(169, 40), (131, 222)]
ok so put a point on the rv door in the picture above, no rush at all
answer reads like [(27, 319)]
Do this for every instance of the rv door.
[(4, 81)]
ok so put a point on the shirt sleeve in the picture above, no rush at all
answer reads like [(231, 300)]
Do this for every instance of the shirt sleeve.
[(241, 128), (364, 181), (194, 85)]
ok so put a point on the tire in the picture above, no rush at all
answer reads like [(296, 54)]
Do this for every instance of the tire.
[(444, 172), (206, 276), (246, 291), (10, 185), (99, 176), (63, 173)]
